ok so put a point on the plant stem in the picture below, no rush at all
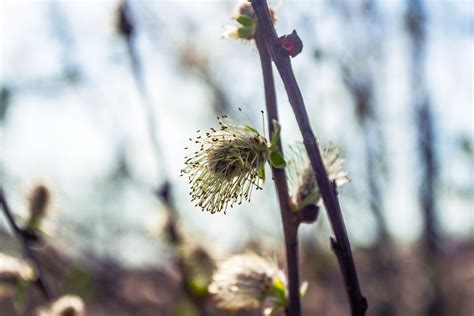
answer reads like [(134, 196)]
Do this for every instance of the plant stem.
[(289, 220), (27, 251), (341, 245)]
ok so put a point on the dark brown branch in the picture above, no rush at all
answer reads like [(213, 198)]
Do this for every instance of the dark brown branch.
[(289, 219), (24, 239), (341, 243)]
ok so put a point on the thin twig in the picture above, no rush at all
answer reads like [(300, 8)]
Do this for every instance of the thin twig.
[(341, 243), (22, 238), (177, 241), (128, 29), (416, 23), (289, 220)]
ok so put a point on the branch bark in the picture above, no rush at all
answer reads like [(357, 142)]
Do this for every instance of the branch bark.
[(341, 243), (289, 220)]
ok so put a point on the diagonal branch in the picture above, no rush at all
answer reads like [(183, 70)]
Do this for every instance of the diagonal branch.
[(288, 218), (22, 238), (341, 244)]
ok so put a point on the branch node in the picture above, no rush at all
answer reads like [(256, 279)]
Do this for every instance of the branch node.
[(308, 214)]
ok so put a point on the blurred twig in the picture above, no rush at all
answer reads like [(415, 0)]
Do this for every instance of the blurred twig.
[(61, 29), (416, 20), (362, 92), (176, 239), (358, 74), (341, 243), (416, 25), (25, 239), (127, 28), (360, 80), (193, 60)]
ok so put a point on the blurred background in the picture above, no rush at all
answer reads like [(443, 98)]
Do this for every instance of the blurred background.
[(99, 98)]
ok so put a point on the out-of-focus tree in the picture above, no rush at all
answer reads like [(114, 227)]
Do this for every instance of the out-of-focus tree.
[(416, 21), (358, 65)]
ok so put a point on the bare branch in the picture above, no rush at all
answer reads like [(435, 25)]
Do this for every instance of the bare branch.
[(289, 219), (341, 243)]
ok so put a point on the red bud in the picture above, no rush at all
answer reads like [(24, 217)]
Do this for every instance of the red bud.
[(291, 43)]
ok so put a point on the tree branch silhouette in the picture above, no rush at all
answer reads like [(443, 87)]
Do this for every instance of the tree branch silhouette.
[(289, 219), (340, 243)]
